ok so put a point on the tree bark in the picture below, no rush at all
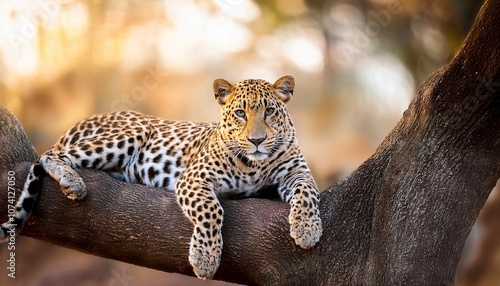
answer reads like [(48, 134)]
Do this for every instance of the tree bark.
[(401, 218), (14, 143)]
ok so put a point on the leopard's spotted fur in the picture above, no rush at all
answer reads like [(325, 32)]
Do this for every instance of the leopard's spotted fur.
[(253, 147)]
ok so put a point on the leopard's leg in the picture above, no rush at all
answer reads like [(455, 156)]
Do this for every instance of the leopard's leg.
[(25, 204), (60, 166), (301, 192), (109, 154), (201, 206)]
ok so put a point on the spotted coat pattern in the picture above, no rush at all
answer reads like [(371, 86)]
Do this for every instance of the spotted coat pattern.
[(252, 148)]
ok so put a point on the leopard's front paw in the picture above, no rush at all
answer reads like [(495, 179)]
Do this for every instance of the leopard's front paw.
[(205, 257), (305, 230)]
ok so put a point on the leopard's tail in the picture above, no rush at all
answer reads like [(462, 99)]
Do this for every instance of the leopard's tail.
[(25, 204)]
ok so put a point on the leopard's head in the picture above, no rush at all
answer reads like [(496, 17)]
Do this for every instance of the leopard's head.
[(255, 122)]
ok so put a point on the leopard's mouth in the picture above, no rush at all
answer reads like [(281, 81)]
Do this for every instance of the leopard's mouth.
[(257, 155)]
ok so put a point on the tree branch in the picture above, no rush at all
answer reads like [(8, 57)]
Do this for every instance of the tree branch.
[(401, 218), (14, 144)]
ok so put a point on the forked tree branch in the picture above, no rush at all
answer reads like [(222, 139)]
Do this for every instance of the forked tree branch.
[(401, 218)]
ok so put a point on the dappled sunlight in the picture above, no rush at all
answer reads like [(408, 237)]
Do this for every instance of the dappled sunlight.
[(305, 52), (387, 84)]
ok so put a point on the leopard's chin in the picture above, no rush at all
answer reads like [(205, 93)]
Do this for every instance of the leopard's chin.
[(257, 156)]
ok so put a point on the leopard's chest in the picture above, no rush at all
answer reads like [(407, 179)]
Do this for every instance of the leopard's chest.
[(241, 183)]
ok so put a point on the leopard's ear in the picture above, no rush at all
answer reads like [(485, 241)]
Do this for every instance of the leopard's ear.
[(222, 90), (284, 87)]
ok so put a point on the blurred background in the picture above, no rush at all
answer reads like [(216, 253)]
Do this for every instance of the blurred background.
[(357, 64)]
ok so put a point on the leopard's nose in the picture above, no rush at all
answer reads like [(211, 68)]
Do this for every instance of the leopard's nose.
[(257, 141)]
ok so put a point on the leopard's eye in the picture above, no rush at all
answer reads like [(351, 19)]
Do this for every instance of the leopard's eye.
[(240, 113), (269, 111)]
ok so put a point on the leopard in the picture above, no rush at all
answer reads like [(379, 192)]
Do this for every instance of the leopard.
[(251, 149)]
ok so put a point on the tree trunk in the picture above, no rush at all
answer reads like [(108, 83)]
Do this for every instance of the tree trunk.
[(401, 218)]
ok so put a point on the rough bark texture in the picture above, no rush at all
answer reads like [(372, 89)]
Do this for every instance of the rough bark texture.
[(401, 218), (14, 144)]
